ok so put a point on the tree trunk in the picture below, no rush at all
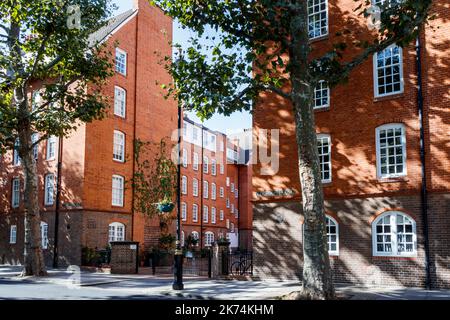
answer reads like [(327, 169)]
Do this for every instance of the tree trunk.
[(33, 256), (317, 279)]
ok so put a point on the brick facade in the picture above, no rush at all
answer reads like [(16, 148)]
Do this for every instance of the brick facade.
[(87, 157), (356, 196), (227, 179)]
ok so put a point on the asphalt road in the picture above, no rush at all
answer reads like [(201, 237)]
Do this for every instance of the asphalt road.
[(26, 290)]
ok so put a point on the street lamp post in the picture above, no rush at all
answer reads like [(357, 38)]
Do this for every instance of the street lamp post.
[(178, 259)]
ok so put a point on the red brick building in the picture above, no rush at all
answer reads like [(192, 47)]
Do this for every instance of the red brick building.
[(212, 187), (97, 158), (370, 153)]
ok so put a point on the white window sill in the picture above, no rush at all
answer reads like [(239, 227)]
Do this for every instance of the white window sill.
[(384, 255)]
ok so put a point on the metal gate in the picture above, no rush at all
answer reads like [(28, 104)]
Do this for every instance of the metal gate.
[(198, 264), (237, 263)]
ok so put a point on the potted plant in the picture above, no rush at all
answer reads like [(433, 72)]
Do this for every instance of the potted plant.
[(222, 241), (165, 206)]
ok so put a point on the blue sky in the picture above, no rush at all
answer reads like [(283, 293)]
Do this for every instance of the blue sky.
[(237, 121)]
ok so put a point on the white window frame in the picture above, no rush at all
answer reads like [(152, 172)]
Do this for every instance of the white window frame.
[(205, 164), (185, 158), (15, 192), (381, 3), (16, 158), (194, 213), (221, 215), (391, 126), (195, 235), (124, 63), (232, 187), (49, 189), (118, 190), (213, 191), (119, 146), (209, 238), (313, 13), (195, 187), (51, 148), (322, 163), (375, 73), (195, 164), (205, 190), (13, 234), (113, 234), (232, 208), (36, 99), (222, 192), (34, 139), (44, 235), (329, 235), (228, 181), (120, 105), (213, 215), (228, 202), (214, 167), (205, 214), (183, 211), (322, 88), (393, 234), (184, 187), (222, 168), (185, 127), (194, 133)]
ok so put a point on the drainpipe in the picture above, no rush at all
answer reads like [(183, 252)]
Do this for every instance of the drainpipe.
[(58, 202), (239, 202), (201, 194), (424, 191), (133, 191)]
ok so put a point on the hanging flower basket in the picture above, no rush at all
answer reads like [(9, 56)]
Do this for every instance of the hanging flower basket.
[(165, 207)]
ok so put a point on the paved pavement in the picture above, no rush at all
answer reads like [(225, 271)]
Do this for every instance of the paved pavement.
[(63, 284)]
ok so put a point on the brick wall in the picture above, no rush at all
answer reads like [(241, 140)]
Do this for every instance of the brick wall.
[(355, 194), (278, 241)]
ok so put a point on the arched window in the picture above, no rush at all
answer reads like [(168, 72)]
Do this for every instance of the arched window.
[(195, 187), (394, 234), (332, 236), (209, 239), (116, 232), (332, 228), (195, 236), (119, 146), (184, 182), (183, 211), (194, 213)]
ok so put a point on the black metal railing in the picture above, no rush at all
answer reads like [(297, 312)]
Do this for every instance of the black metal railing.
[(237, 263)]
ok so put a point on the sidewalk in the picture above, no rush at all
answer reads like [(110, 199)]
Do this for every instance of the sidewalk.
[(60, 284)]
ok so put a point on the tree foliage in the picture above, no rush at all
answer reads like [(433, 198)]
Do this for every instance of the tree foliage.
[(264, 46), (250, 52), (39, 51), (51, 71), (155, 176)]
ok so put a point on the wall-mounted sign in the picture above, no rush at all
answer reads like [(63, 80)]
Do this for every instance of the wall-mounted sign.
[(71, 205), (276, 193)]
